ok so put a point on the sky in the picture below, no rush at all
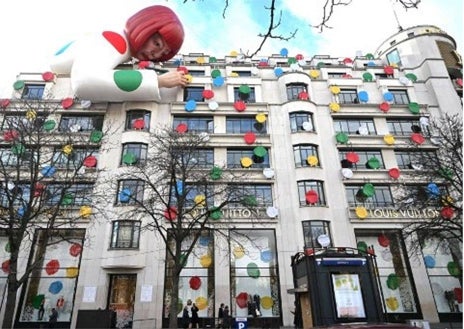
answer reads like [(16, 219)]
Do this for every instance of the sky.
[(32, 31)]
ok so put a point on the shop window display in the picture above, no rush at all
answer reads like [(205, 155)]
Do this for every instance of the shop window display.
[(53, 284), (396, 284), (254, 274), (441, 260)]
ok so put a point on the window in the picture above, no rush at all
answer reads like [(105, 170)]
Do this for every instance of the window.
[(195, 124), (259, 195), (254, 273), (234, 157), (366, 159), (18, 195), (134, 153), (416, 159), (193, 93), (312, 229), (243, 73), (130, 191), (78, 194), (11, 157), (138, 118), (33, 91), (382, 197), (248, 98), (294, 89), (336, 74), (348, 96), (197, 274), (400, 96), (73, 160), (393, 57), (441, 256), (382, 76), (125, 234), (22, 123), (302, 152), (197, 73), (314, 187), (405, 127), (63, 251), (241, 125), (396, 283), (352, 126), (81, 123), (203, 158), (301, 121)]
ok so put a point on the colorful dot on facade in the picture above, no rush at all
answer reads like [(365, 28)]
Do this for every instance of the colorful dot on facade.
[(127, 80), (116, 40)]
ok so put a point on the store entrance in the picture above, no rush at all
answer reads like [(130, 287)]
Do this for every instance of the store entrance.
[(122, 297)]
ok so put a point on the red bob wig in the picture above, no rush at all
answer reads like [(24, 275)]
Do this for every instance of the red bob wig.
[(155, 19)]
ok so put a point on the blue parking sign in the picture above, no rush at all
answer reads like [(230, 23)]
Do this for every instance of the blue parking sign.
[(241, 323)]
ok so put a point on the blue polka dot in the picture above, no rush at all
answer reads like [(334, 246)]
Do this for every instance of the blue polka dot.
[(63, 49)]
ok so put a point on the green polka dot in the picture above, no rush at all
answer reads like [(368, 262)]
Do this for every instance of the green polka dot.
[(18, 85), (128, 80)]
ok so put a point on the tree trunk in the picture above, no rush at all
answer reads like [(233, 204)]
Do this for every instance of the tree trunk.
[(10, 305), (173, 311)]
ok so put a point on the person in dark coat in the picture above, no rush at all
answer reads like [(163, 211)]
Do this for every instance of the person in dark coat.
[(221, 316), (227, 318), (53, 319), (195, 320)]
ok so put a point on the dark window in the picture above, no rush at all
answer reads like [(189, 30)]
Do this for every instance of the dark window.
[(194, 93), (400, 96), (130, 191), (312, 229), (382, 197), (301, 121), (22, 123), (81, 123), (195, 124), (364, 157), (197, 73), (416, 159), (259, 194), (125, 234), (382, 76), (75, 159), (241, 125), (234, 157), (11, 158), (302, 152), (248, 98), (203, 158), (33, 91), (348, 96), (138, 118), (311, 185), (18, 195), (405, 127), (352, 126), (134, 154), (243, 73), (77, 195), (294, 89)]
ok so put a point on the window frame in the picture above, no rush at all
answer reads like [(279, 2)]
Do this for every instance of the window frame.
[(134, 241), (298, 118), (316, 185), (302, 151)]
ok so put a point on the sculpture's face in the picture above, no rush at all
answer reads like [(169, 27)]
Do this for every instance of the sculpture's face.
[(154, 48)]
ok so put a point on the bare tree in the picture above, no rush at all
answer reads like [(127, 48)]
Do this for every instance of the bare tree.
[(46, 179), (328, 10), (183, 197), (436, 184)]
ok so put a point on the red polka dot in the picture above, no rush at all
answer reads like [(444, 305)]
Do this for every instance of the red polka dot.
[(117, 40)]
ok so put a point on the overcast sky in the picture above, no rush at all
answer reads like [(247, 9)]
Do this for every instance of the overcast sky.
[(32, 31)]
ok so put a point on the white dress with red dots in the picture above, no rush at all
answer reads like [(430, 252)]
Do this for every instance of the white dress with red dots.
[(91, 63)]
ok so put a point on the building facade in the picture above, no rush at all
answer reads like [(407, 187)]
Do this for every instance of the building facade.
[(326, 140)]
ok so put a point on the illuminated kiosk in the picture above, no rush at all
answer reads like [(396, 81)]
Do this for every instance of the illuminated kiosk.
[(336, 285)]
